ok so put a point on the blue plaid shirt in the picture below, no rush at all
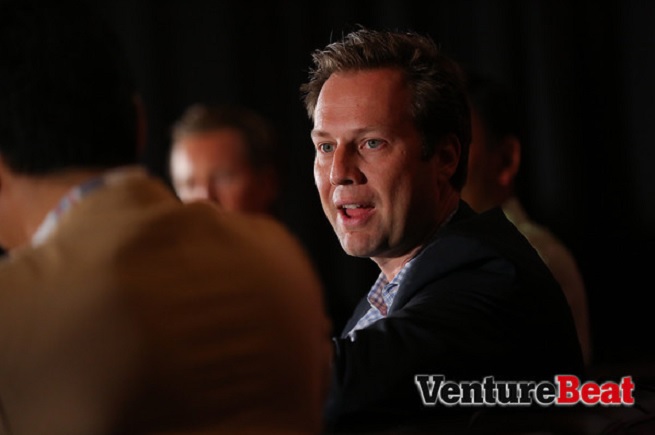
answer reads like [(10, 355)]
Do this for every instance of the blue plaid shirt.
[(381, 297), (78, 193)]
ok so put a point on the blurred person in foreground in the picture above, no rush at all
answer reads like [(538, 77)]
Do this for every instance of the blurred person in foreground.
[(121, 309), (494, 162), (460, 294), (227, 154)]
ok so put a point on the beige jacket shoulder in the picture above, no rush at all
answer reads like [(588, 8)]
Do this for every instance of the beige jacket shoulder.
[(562, 265), (140, 314)]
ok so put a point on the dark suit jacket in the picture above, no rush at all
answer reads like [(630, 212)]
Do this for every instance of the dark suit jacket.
[(478, 301)]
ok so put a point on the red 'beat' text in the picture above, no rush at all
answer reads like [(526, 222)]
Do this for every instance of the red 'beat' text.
[(591, 393)]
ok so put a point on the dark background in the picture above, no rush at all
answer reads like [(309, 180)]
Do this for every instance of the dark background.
[(583, 72)]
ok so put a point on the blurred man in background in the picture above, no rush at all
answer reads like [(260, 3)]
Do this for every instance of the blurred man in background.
[(494, 161), (228, 155)]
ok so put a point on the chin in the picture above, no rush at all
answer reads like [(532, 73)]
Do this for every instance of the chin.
[(356, 248)]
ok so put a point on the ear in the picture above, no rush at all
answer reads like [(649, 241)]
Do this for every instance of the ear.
[(447, 155), (141, 124), (510, 160)]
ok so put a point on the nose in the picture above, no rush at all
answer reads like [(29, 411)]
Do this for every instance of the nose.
[(345, 168)]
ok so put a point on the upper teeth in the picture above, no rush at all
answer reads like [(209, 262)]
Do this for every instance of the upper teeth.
[(352, 206)]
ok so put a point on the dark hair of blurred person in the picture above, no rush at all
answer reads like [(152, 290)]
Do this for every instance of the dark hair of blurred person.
[(52, 116), (123, 310)]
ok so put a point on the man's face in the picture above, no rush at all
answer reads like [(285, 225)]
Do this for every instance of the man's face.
[(485, 167), (214, 166), (378, 193)]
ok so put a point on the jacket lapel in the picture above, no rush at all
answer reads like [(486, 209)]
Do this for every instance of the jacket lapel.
[(425, 267)]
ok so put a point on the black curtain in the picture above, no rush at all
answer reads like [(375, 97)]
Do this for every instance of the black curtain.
[(582, 70)]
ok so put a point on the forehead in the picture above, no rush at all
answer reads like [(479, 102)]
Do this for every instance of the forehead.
[(204, 152), (377, 83), (377, 93), (221, 141)]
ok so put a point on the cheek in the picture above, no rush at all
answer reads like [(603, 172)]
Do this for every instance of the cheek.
[(325, 195), (246, 185), (412, 193), (230, 191), (398, 180), (321, 178), (324, 188), (393, 195)]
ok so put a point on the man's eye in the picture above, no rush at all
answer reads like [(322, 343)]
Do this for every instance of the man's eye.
[(373, 143), (326, 147)]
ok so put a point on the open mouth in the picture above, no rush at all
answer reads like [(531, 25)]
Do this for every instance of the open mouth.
[(355, 211)]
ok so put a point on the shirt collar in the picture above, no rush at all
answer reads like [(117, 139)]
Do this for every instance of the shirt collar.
[(78, 193)]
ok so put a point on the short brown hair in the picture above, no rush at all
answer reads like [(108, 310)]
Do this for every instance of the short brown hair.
[(259, 134)]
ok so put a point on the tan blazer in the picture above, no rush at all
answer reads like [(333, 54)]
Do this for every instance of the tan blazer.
[(143, 315), (562, 265)]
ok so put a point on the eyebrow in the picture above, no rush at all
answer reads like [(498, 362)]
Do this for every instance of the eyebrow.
[(318, 133), (357, 132)]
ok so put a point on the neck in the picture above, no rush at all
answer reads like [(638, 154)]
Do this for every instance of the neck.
[(391, 266)]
